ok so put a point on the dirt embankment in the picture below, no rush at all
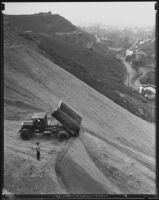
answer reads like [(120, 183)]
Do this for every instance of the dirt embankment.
[(115, 152)]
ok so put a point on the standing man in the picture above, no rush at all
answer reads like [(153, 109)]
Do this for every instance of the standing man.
[(38, 151)]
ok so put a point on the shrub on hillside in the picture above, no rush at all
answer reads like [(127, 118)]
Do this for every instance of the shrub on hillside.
[(149, 78)]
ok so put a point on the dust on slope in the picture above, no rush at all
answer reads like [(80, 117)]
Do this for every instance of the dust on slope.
[(110, 141)]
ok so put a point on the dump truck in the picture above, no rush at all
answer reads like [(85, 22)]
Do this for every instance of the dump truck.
[(68, 123)]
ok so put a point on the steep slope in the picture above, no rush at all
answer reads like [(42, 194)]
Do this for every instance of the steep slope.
[(80, 54), (114, 153)]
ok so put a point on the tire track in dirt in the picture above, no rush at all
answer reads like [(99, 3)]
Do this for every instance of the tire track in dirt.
[(21, 152)]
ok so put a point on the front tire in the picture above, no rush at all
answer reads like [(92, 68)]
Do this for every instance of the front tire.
[(25, 134), (63, 135)]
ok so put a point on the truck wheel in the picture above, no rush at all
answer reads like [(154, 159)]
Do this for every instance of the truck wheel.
[(62, 135), (25, 134)]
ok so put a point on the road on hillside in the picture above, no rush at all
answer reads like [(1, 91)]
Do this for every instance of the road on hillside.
[(132, 78)]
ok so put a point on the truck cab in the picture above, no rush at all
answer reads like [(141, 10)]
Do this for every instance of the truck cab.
[(37, 124), (40, 121)]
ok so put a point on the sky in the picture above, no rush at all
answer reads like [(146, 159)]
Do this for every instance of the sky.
[(139, 14)]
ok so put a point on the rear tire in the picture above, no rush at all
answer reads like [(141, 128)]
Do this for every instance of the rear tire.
[(25, 134), (63, 135)]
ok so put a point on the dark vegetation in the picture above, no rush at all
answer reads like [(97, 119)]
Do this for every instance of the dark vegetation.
[(97, 65), (136, 64), (40, 23), (82, 56), (149, 78), (130, 58), (149, 48), (142, 62), (148, 61)]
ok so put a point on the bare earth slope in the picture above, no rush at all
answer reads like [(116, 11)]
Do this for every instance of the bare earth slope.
[(115, 152)]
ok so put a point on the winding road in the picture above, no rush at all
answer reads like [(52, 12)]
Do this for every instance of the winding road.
[(132, 78)]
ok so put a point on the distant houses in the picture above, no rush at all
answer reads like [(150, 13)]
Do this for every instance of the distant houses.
[(129, 52), (137, 54), (97, 38), (149, 91)]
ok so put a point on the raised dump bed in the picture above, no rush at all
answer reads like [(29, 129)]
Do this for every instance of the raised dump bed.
[(67, 117)]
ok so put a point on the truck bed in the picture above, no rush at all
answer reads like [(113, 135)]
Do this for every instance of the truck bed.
[(67, 117)]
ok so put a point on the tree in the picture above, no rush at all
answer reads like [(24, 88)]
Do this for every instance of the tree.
[(126, 42)]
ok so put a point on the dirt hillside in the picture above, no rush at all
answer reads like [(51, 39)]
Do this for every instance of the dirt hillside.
[(115, 152)]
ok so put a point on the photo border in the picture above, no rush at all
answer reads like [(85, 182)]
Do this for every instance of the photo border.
[(78, 196)]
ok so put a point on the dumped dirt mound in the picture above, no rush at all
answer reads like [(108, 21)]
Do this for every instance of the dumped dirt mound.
[(80, 175), (92, 165)]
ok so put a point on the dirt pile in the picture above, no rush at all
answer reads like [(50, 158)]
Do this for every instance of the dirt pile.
[(80, 174)]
